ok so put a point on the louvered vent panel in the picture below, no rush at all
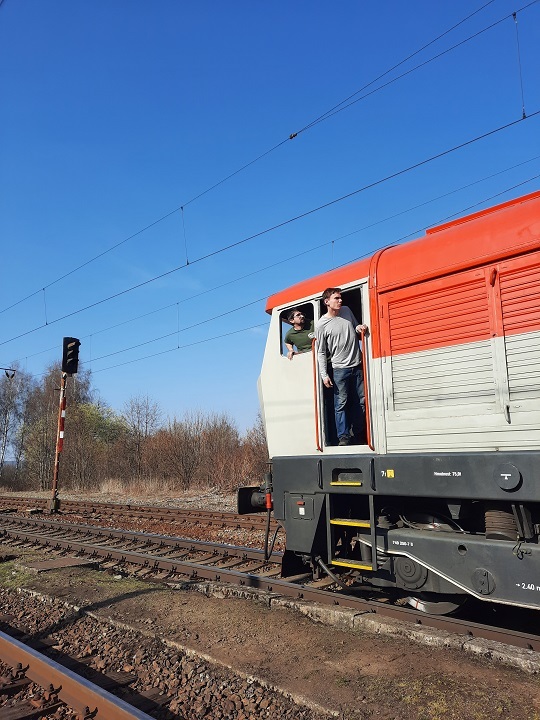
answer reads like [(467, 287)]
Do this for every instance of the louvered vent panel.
[(520, 300), (459, 375), (442, 317), (440, 344)]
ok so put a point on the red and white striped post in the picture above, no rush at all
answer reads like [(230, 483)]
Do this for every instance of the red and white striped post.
[(59, 443)]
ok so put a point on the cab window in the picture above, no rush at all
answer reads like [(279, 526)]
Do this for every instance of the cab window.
[(298, 337), (352, 299)]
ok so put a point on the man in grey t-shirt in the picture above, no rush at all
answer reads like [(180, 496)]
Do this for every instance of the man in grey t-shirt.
[(337, 339)]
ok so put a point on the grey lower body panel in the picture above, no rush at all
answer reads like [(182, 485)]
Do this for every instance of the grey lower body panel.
[(470, 490), (496, 570), (505, 476)]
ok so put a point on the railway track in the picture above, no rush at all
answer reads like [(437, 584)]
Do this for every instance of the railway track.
[(145, 553), (176, 560), (152, 675), (142, 512), (61, 688)]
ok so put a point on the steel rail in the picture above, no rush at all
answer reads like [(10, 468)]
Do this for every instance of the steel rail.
[(173, 566), (140, 537), (72, 689), (156, 512), (199, 571)]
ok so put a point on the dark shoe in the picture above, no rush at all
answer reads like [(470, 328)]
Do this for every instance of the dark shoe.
[(343, 440)]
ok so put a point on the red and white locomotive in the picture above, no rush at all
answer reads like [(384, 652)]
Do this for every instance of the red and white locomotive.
[(443, 502)]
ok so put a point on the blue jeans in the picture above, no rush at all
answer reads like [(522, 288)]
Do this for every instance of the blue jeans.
[(349, 402)]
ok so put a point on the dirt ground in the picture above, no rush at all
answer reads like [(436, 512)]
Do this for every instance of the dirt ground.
[(353, 674)]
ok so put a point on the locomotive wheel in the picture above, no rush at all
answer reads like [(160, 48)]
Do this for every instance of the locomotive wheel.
[(430, 603), (441, 605)]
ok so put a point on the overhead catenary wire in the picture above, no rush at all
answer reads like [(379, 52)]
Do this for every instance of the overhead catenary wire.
[(344, 104), (199, 294), (319, 246), (218, 337), (185, 238), (179, 330), (183, 347), (341, 106), (254, 302), (91, 260), (332, 110), (519, 66), (45, 306), (337, 108), (284, 223), (459, 213), (244, 305), (490, 198)]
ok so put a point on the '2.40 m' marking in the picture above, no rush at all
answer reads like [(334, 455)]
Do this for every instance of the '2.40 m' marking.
[(528, 586)]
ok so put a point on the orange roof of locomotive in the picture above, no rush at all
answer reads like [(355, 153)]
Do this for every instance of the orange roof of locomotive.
[(486, 236)]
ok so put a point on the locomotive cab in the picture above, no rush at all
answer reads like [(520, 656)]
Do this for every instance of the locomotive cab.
[(443, 502), (298, 410)]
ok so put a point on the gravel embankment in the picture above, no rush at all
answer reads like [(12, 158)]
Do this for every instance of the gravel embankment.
[(189, 687)]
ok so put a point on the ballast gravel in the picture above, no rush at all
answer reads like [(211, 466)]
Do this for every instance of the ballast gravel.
[(310, 662), (188, 686)]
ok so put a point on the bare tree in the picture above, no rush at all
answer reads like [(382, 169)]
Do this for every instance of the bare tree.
[(221, 451), (205, 449), (14, 391), (201, 449), (40, 432), (255, 453), (142, 418), (184, 448), (94, 429)]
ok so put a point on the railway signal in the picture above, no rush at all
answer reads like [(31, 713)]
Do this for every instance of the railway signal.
[(70, 363), (70, 355)]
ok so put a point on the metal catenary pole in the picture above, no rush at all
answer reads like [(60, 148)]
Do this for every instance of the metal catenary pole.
[(55, 503)]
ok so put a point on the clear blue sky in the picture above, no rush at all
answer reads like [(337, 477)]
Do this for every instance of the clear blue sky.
[(115, 114)]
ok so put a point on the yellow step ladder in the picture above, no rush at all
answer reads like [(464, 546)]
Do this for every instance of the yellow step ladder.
[(335, 522)]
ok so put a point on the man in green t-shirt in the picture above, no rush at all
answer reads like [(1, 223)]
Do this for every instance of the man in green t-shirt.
[(300, 335)]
